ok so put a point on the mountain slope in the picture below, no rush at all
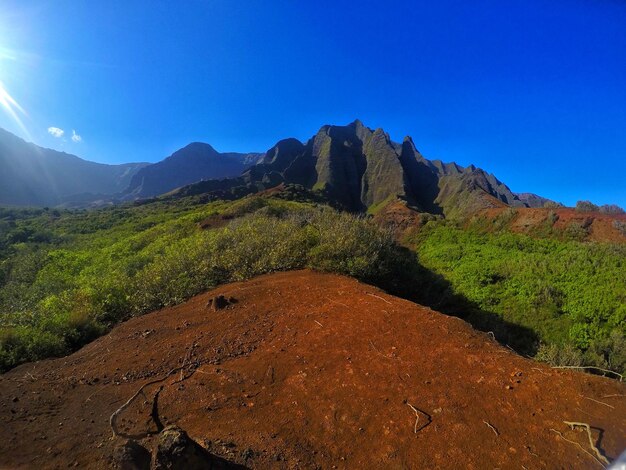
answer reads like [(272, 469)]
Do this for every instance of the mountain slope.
[(308, 370), (34, 176), (195, 162), (536, 201), (361, 169)]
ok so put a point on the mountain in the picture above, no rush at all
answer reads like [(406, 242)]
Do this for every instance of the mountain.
[(361, 169), (535, 201), (34, 176), (193, 163)]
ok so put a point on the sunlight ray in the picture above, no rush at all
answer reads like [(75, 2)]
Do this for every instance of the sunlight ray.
[(13, 108)]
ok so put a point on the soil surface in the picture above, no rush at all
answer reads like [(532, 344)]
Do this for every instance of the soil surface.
[(309, 370)]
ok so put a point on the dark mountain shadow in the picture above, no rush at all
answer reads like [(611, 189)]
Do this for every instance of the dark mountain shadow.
[(420, 285)]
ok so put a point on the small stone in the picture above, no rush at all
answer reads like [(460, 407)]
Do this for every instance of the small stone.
[(177, 451), (131, 456)]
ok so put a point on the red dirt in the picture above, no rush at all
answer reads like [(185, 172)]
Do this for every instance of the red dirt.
[(600, 227), (398, 217), (310, 370)]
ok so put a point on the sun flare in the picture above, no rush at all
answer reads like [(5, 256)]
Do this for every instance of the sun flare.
[(12, 107)]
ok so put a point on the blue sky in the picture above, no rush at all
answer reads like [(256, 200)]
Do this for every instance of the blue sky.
[(530, 90)]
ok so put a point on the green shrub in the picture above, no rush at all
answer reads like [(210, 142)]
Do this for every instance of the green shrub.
[(571, 294), (586, 206), (75, 293)]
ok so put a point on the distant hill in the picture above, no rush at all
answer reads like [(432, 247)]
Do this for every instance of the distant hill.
[(193, 163), (34, 176), (535, 201), (361, 169)]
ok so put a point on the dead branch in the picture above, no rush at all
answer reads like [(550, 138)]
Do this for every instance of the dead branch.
[(319, 323), (576, 443), (621, 377), (417, 411), (116, 413), (417, 418), (379, 297), (495, 431), (573, 425), (614, 395), (601, 402)]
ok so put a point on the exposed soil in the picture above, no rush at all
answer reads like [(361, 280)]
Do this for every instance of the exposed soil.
[(308, 370), (598, 226), (398, 217)]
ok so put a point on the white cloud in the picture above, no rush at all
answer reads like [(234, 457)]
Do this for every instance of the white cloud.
[(75, 137), (55, 132)]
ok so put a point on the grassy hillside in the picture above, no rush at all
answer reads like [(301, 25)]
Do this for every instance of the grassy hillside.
[(571, 294), (66, 277)]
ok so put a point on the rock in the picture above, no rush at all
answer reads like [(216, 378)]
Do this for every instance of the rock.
[(177, 451), (131, 456)]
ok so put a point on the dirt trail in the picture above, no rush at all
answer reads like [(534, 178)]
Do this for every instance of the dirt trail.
[(310, 370)]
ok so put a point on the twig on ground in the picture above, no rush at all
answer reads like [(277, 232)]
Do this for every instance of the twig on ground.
[(538, 369), (573, 424), (334, 301), (614, 395), (187, 357), (417, 418), (96, 392), (621, 377), (531, 452), (601, 402), (318, 323), (116, 413), (576, 443), (378, 351), (417, 411), (379, 297), (495, 431)]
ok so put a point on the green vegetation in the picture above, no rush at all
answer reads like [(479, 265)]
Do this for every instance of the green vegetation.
[(571, 294), (67, 277), (94, 269)]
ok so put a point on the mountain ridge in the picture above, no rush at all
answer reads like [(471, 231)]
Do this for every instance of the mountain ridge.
[(36, 176), (360, 169), (353, 166)]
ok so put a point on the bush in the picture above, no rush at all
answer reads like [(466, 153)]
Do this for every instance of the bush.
[(75, 295), (611, 209), (586, 206), (620, 225), (571, 294)]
